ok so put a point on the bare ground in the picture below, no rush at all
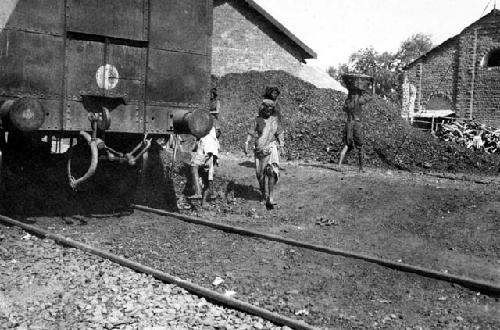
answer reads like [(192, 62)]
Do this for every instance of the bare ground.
[(448, 225), (443, 224)]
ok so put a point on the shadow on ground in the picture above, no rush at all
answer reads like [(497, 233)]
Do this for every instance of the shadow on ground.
[(38, 187), (247, 163), (243, 191)]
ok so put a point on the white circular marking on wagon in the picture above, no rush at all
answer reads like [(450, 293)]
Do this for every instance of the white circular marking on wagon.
[(107, 76), (28, 114)]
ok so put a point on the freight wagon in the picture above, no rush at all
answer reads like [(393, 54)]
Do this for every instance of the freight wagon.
[(103, 71)]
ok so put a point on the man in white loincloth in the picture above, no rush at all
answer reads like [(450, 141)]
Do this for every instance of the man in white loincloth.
[(205, 156), (269, 141)]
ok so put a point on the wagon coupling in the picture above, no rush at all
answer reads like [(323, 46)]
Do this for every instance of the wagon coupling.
[(138, 151), (102, 118), (97, 144), (73, 183)]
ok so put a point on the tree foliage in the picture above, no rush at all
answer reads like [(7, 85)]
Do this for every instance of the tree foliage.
[(385, 67), (337, 72), (414, 47)]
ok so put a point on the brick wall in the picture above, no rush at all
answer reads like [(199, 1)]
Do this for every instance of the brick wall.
[(244, 41), (478, 80), (434, 76), (457, 69)]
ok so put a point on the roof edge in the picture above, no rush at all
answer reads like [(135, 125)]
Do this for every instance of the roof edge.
[(432, 51), (311, 53), (494, 11)]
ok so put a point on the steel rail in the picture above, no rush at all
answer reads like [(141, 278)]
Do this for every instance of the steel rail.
[(449, 176), (191, 287), (482, 286)]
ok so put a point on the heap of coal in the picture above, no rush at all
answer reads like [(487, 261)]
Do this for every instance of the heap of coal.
[(314, 120), (303, 106)]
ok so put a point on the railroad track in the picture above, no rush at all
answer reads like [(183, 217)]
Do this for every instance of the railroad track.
[(442, 175), (482, 286), (160, 219), (165, 277)]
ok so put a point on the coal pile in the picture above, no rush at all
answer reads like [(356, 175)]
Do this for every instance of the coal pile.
[(399, 145), (303, 106), (314, 120)]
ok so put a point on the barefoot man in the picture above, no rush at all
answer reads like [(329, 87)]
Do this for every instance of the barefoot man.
[(357, 85), (269, 141), (206, 155)]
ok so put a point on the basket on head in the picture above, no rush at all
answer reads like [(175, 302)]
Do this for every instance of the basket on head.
[(357, 82)]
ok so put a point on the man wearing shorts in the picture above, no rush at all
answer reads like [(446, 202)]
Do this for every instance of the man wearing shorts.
[(205, 156), (357, 85)]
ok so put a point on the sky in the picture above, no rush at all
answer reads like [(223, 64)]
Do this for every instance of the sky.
[(335, 29)]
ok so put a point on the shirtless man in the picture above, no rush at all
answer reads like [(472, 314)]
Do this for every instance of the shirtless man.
[(357, 85), (205, 155)]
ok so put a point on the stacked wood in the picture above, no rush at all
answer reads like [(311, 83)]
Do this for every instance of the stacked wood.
[(472, 135)]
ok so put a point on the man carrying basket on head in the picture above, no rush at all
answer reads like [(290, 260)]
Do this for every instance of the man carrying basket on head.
[(358, 85)]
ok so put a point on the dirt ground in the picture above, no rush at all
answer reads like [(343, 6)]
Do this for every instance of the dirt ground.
[(447, 225), (444, 224), (330, 292)]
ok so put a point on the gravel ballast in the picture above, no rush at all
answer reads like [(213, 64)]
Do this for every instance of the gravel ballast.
[(46, 286)]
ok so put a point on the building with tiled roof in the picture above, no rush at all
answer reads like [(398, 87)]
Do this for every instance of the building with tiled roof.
[(246, 37), (460, 76)]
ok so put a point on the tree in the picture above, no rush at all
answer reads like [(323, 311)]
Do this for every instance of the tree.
[(336, 73), (414, 47), (364, 60), (382, 67), (385, 67)]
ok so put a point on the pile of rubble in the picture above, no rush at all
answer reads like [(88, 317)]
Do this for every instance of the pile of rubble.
[(314, 122), (471, 135)]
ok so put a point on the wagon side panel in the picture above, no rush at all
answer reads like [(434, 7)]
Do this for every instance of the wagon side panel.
[(31, 54), (106, 62), (180, 25), (40, 16), (31, 66), (123, 19), (179, 64)]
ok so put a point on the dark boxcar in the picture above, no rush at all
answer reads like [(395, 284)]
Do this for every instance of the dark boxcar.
[(132, 66), (141, 59)]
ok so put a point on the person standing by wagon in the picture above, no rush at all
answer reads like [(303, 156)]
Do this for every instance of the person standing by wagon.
[(357, 85), (206, 155), (269, 142)]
